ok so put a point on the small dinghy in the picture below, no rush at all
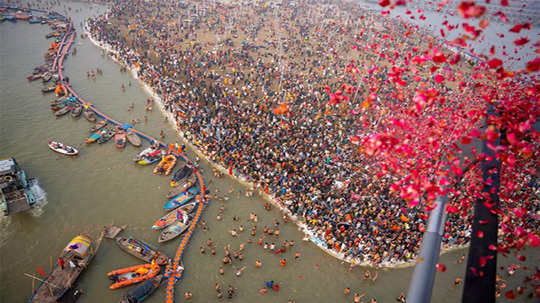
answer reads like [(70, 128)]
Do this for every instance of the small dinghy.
[(109, 133), (62, 111), (132, 275), (141, 250), (76, 111), (63, 149), (99, 125), (174, 230), (178, 190), (46, 77), (33, 77), (149, 155), (89, 115), (120, 139), (133, 138), (180, 174), (94, 137), (177, 214), (48, 89), (181, 199), (142, 291)]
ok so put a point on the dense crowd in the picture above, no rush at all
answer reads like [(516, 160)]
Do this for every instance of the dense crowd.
[(251, 86)]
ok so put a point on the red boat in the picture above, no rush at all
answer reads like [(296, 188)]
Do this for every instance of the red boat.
[(34, 77)]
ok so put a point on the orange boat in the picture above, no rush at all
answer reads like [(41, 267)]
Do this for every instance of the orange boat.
[(166, 165), (133, 274), (60, 90)]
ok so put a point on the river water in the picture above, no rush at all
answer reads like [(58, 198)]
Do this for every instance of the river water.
[(102, 186)]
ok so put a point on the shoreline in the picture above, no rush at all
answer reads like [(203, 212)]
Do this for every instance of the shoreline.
[(302, 227)]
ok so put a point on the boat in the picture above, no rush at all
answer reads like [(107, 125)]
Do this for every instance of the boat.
[(149, 155), (15, 188), (133, 138), (63, 149), (141, 250), (64, 110), (179, 214), (99, 125), (174, 230), (183, 172), (142, 291), (76, 256), (34, 21), (109, 133), (76, 111), (166, 165), (93, 137), (22, 16), (186, 185), (46, 77), (132, 275), (89, 115), (48, 89), (33, 77), (60, 90), (181, 198), (120, 138)]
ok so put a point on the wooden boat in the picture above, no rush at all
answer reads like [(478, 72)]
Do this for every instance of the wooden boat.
[(133, 138), (89, 115), (106, 136), (185, 183), (99, 125), (93, 137), (76, 257), (174, 230), (178, 190), (64, 110), (181, 199), (142, 291), (132, 275), (149, 155), (46, 77), (120, 139), (180, 174), (166, 165), (191, 181), (179, 214), (76, 111), (48, 89), (33, 77), (141, 250), (63, 149)]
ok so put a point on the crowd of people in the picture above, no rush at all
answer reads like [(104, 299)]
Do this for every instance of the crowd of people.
[(255, 88)]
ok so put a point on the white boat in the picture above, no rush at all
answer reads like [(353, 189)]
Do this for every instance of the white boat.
[(63, 149)]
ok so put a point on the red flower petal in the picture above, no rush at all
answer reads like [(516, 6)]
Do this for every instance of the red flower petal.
[(521, 41), (534, 65), (510, 294), (440, 267), (384, 3), (494, 63)]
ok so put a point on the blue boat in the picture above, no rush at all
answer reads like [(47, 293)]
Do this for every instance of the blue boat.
[(181, 199), (34, 21), (10, 18), (15, 189)]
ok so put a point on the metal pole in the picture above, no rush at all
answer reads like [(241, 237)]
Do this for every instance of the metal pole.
[(423, 277), (481, 276)]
